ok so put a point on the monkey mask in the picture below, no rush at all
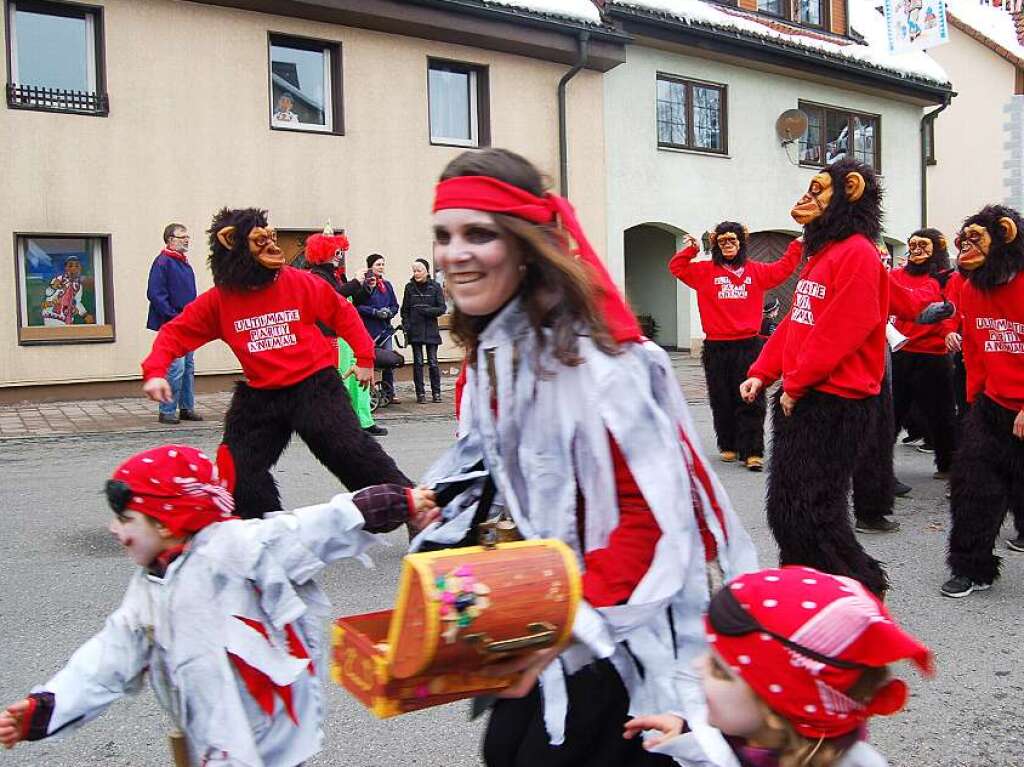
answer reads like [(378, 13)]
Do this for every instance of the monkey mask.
[(243, 249), (927, 252), (819, 194), (990, 247), (728, 243)]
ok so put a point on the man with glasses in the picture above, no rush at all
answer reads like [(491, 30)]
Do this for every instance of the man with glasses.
[(172, 286)]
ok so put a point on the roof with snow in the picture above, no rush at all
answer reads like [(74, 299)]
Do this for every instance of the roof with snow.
[(994, 25), (582, 11), (872, 54)]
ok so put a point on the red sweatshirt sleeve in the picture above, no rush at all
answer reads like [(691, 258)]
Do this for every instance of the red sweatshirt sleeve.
[(777, 272), (904, 303), (683, 268), (198, 324), (845, 323), (612, 573), (338, 314), (768, 365)]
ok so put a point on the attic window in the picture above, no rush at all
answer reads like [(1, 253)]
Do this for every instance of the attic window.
[(810, 13)]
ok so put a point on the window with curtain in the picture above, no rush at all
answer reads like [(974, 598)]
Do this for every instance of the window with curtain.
[(456, 97)]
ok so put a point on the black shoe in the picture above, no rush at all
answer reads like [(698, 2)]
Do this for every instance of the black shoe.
[(376, 431), (436, 398), (901, 488), (960, 586), (940, 475), (1015, 544), (169, 419), (880, 525), (421, 399), (189, 415)]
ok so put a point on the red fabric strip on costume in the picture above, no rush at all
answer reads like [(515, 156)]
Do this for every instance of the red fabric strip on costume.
[(732, 305), (272, 331)]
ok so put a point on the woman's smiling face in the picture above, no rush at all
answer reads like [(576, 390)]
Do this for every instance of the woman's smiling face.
[(482, 265)]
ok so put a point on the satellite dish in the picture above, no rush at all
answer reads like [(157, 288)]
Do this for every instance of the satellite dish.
[(791, 126)]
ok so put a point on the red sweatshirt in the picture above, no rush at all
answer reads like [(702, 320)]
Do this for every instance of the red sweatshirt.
[(993, 342), (924, 339), (271, 330), (731, 302), (954, 289), (833, 339)]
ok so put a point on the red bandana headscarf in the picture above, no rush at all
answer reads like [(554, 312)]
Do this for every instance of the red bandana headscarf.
[(801, 639), (180, 486), (495, 196)]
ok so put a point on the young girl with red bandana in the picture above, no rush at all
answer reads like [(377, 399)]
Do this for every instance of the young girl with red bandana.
[(798, 664), (223, 613)]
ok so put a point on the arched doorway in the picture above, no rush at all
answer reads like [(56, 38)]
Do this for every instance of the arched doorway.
[(659, 300)]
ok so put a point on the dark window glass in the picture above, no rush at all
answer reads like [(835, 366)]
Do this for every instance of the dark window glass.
[(810, 144), (835, 134), (671, 112), (691, 115), (809, 12), (707, 110), (774, 7)]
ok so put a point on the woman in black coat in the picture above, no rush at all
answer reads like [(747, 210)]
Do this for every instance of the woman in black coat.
[(422, 304)]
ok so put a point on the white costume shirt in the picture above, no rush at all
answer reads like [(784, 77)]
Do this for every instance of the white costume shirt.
[(180, 628)]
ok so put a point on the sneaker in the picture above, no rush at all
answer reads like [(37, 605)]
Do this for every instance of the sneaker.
[(1015, 544), (940, 475), (924, 447), (960, 586), (901, 488), (754, 463), (376, 431), (729, 456), (436, 398), (189, 415), (421, 399), (169, 419), (881, 525)]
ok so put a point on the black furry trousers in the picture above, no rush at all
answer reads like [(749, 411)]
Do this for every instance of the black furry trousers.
[(739, 427), (988, 479), (598, 707), (260, 423), (927, 381), (827, 443)]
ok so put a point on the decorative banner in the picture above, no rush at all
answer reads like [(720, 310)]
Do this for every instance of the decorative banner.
[(915, 24)]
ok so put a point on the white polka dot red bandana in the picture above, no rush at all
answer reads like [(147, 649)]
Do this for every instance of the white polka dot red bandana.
[(801, 639), (180, 486)]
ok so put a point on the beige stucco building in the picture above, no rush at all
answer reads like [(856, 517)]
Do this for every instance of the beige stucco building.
[(976, 146), (185, 114)]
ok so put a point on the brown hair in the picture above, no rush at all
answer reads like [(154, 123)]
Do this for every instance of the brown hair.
[(796, 750), (556, 291)]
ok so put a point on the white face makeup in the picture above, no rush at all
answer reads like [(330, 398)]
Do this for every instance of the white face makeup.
[(732, 706), (139, 536), (481, 264)]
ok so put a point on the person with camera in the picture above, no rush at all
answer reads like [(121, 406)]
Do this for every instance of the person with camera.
[(377, 311)]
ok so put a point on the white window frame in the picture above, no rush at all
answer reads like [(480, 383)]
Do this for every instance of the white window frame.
[(328, 126), (95, 246), (90, 47), (474, 109)]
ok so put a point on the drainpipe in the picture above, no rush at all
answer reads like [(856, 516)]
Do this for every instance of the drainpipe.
[(925, 120), (563, 151)]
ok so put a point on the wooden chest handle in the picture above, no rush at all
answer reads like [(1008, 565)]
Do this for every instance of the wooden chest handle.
[(542, 635)]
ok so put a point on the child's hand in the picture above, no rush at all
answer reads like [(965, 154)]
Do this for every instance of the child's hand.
[(426, 507), (12, 722), (669, 725)]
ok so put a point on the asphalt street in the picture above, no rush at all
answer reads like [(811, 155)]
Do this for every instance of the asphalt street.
[(61, 574)]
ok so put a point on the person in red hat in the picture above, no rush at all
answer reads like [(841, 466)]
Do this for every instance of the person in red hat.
[(798, 664), (223, 613)]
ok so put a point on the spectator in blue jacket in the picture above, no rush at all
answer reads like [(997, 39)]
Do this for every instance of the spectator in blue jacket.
[(172, 286), (378, 310)]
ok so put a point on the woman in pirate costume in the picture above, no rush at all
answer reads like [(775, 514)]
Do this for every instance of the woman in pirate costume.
[(558, 452)]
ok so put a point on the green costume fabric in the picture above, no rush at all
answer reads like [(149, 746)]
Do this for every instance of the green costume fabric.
[(359, 396)]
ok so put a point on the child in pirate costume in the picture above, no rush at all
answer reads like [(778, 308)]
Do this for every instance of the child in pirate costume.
[(730, 296), (268, 313), (798, 664), (223, 614), (560, 453)]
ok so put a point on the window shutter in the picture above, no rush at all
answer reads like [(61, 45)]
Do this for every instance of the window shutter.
[(838, 16)]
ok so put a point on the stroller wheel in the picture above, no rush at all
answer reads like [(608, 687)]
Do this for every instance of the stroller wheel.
[(374, 397)]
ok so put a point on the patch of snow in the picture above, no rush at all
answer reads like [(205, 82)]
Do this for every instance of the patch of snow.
[(864, 19), (994, 23), (578, 10)]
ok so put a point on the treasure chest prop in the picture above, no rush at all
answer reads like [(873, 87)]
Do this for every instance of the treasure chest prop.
[(457, 611)]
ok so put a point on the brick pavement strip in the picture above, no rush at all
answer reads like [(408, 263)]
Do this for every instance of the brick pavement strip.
[(27, 420)]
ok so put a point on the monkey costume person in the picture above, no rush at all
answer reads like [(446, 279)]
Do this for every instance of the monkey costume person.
[(267, 312), (990, 461), (730, 296), (830, 353), (921, 371)]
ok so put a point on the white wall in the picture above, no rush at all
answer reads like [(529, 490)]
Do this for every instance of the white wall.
[(756, 184), (970, 136)]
